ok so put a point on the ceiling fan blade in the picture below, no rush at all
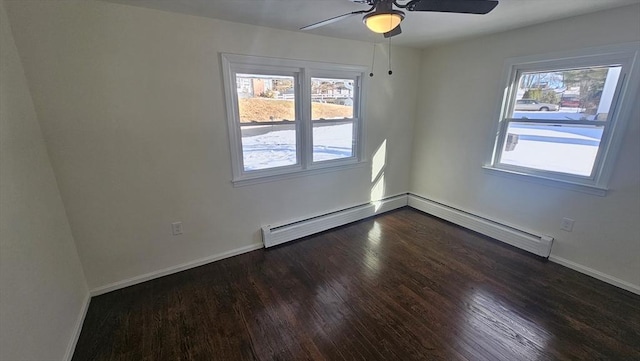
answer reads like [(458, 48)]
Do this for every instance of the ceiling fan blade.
[(334, 19), (395, 31), (454, 6)]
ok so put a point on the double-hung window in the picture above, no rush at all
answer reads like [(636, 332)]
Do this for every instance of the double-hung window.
[(288, 117), (562, 115)]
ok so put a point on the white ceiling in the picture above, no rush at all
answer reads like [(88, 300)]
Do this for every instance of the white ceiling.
[(420, 29)]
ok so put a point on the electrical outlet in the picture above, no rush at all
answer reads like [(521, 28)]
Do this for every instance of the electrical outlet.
[(567, 224), (176, 228)]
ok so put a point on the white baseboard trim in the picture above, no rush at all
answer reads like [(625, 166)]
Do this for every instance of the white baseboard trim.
[(596, 274), (77, 328), (536, 244), (174, 269), (350, 215), (273, 235), (528, 242)]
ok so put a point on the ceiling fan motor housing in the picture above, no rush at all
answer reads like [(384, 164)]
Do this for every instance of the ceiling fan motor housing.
[(374, 2), (381, 17)]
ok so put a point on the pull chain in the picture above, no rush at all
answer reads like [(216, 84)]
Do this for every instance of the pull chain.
[(373, 60), (390, 72)]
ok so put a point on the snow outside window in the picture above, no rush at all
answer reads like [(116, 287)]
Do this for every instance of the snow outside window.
[(289, 117), (563, 115)]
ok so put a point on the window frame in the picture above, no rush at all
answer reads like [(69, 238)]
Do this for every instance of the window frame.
[(302, 71), (356, 119), (625, 55)]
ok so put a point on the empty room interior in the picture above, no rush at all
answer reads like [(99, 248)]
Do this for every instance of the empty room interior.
[(320, 180)]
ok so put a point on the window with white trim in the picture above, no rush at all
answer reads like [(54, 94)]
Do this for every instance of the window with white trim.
[(288, 117), (563, 115)]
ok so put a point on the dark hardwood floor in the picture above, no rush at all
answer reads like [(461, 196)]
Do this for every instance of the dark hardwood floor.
[(402, 286)]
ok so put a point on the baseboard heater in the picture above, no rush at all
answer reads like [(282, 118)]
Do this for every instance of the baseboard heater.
[(278, 234), (539, 245)]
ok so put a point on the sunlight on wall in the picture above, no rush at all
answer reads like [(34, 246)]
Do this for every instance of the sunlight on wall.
[(379, 160), (378, 163), (377, 192)]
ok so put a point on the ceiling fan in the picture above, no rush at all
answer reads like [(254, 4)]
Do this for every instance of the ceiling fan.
[(382, 18)]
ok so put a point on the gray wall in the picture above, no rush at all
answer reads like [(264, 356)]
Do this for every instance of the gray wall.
[(43, 287), (131, 106), (460, 94), (131, 103)]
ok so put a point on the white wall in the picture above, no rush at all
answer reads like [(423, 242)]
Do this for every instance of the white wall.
[(132, 106), (42, 288), (460, 92)]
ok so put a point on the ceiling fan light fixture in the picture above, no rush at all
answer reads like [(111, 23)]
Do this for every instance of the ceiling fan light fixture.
[(383, 21)]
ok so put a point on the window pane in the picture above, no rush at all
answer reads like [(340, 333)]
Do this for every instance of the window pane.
[(265, 98), (572, 94), (331, 98), (332, 140), (570, 149), (268, 146)]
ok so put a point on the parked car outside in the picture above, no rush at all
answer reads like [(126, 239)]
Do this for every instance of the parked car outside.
[(570, 103), (534, 105)]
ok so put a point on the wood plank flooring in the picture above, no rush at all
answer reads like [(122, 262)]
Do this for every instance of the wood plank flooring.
[(401, 286)]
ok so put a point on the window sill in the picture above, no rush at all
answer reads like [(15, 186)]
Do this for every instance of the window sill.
[(548, 181), (241, 182)]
